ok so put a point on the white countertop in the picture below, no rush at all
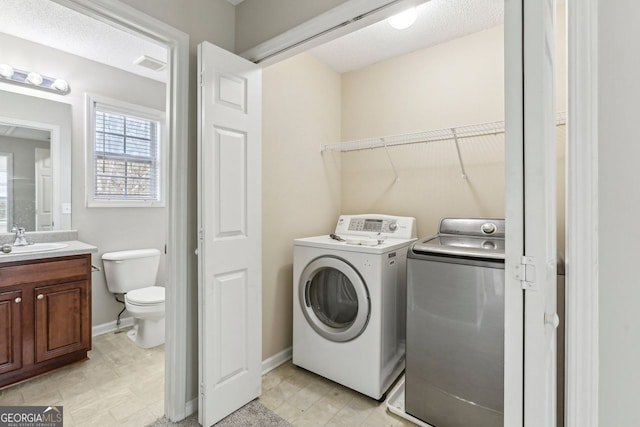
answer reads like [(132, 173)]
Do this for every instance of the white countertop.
[(74, 247)]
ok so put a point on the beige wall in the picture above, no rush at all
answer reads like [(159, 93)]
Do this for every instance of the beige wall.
[(258, 20), (457, 83), (109, 229), (301, 187), (452, 84), (619, 210), (210, 20)]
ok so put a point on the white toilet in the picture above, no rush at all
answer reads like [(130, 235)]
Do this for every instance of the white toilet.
[(134, 273)]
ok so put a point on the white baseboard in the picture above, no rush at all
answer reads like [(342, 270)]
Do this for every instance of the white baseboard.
[(276, 360), (105, 328), (191, 407)]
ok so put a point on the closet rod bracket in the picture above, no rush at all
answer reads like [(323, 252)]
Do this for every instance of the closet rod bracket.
[(393, 166), (455, 139)]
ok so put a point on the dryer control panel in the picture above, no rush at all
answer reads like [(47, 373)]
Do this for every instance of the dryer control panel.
[(401, 227)]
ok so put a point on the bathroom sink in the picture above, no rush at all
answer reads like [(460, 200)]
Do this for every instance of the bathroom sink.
[(37, 247)]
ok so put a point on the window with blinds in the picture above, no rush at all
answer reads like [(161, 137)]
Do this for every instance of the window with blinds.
[(126, 157)]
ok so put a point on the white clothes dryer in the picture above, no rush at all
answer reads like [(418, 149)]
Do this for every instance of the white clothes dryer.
[(349, 301)]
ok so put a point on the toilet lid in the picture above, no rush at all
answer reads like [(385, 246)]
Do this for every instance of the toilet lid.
[(144, 296)]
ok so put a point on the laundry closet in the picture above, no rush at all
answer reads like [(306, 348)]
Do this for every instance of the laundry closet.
[(420, 134)]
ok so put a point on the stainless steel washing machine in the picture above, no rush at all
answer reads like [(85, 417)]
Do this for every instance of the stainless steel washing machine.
[(455, 325)]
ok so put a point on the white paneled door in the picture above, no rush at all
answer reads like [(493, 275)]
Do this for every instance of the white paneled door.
[(229, 247)]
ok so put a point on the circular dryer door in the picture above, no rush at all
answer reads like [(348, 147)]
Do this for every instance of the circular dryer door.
[(334, 299)]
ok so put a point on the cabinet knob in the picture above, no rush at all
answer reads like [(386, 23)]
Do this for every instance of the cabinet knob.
[(17, 300), (41, 296)]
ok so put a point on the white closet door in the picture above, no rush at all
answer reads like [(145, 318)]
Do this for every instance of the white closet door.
[(229, 251), (530, 338)]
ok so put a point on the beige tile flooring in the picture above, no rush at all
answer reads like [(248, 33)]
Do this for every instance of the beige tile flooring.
[(120, 385), (123, 385), (306, 399)]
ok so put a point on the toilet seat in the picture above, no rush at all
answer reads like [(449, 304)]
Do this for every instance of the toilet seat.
[(150, 295)]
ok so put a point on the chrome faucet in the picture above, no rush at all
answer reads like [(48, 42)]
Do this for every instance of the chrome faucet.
[(20, 238)]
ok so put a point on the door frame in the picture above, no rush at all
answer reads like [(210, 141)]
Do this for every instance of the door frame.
[(179, 256), (9, 206), (582, 319), (581, 401), (514, 214)]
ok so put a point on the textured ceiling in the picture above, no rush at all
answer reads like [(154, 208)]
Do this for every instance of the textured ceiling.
[(50, 24), (438, 21)]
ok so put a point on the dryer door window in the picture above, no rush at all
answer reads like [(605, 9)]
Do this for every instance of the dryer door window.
[(334, 299)]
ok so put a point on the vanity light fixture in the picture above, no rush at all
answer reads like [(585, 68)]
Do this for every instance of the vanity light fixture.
[(8, 74), (403, 19), (60, 85), (35, 79), (6, 71)]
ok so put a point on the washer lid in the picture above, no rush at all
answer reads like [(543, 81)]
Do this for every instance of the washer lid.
[(335, 246), (146, 296), (461, 246)]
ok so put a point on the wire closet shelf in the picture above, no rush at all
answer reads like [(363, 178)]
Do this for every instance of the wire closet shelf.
[(453, 134)]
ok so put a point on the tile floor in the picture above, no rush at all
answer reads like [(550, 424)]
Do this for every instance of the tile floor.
[(104, 392), (306, 399), (120, 385)]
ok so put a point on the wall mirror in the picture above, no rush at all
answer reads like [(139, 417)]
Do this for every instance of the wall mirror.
[(35, 163)]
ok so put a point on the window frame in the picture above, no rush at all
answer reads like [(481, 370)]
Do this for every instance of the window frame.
[(9, 207), (93, 102)]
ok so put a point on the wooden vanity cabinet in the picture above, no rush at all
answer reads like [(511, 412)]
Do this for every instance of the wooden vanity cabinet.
[(10, 331), (45, 315)]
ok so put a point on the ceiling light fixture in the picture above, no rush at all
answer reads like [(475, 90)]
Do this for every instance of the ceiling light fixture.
[(8, 74), (404, 19)]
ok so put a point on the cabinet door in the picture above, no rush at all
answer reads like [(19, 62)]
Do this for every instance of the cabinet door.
[(10, 331), (62, 319)]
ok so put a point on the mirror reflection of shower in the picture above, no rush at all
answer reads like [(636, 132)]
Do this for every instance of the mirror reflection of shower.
[(25, 178)]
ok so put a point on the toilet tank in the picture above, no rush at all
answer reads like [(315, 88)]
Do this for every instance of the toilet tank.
[(129, 270)]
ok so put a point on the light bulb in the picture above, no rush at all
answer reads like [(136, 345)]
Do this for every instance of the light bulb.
[(6, 71), (35, 79), (60, 85), (403, 19)]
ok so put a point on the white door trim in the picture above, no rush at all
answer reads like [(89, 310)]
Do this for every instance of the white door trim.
[(345, 18), (581, 404), (514, 215), (179, 255)]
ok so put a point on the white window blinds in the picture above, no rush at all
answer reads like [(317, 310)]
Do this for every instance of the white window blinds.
[(126, 156)]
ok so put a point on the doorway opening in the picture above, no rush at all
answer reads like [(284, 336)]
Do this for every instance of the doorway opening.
[(128, 26)]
